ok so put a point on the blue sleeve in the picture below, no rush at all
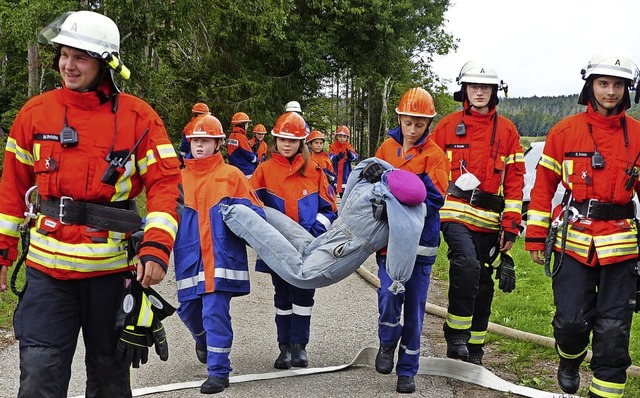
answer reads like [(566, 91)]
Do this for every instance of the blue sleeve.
[(184, 145)]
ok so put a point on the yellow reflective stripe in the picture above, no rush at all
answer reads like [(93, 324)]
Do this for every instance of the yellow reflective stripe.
[(538, 218), (509, 159), (145, 316), (478, 337), (484, 216), (577, 242), (512, 205), (166, 151), (550, 163), (567, 170), (123, 185), (606, 389), (142, 165), (459, 322), (519, 157), (21, 154), (615, 245), (96, 250), (80, 264), (163, 221), (570, 356), (151, 157), (9, 225)]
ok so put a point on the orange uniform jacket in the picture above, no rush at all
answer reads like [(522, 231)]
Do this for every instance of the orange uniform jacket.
[(429, 163), (208, 256), (34, 155), (342, 167), (567, 158), (499, 167), (261, 153), (239, 151)]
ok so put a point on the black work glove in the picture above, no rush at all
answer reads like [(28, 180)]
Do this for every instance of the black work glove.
[(506, 273), (339, 156), (346, 154), (372, 172), (159, 338), (133, 346), (255, 146)]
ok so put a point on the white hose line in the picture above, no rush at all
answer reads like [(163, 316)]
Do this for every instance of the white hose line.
[(433, 309), (367, 356)]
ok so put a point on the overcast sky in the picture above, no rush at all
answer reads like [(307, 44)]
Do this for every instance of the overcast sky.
[(538, 47)]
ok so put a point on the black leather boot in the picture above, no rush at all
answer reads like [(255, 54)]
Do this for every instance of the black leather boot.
[(569, 375), (475, 355), (201, 353), (214, 385), (384, 360), (284, 359), (299, 356), (457, 349), (406, 385)]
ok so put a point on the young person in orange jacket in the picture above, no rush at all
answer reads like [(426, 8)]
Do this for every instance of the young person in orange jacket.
[(258, 145), (293, 184), (204, 245), (342, 155), (89, 149), (409, 148), (239, 152), (315, 142), (594, 154), (199, 108)]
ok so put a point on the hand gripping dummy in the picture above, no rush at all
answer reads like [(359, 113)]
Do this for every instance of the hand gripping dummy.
[(371, 217), (140, 319)]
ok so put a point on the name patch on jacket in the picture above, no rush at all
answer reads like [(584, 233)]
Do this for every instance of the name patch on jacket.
[(232, 142), (46, 137), (578, 154), (456, 146)]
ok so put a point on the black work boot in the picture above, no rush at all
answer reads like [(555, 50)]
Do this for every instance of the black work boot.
[(284, 359), (384, 360), (457, 349), (569, 375), (214, 385), (475, 358), (201, 353), (299, 356), (406, 385)]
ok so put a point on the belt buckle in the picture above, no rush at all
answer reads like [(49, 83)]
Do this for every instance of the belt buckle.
[(61, 213), (473, 196), (590, 206)]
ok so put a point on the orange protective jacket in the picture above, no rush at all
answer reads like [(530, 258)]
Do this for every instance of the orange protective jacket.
[(342, 166), (567, 158), (35, 156), (208, 256), (239, 151), (262, 150), (499, 166)]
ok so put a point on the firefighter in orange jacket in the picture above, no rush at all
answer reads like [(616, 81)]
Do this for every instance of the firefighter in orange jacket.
[(292, 184), (315, 142), (204, 246), (482, 214), (594, 154), (342, 155), (239, 151), (89, 149), (258, 145), (408, 147)]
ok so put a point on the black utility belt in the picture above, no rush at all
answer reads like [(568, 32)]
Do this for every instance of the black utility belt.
[(478, 198), (110, 216), (604, 211)]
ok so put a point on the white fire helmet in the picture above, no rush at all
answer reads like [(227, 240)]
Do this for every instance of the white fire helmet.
[(476, 72), (609, 64), (85, 30), (293, 106)]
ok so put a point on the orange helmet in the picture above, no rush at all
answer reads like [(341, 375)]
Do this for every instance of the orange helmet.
[(315, 135), (290, 125), (343, 130), (206, 126), (259, 128), (200, 107), (416, 102), (240, 117)]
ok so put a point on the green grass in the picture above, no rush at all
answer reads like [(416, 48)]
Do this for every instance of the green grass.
[(530, 308)]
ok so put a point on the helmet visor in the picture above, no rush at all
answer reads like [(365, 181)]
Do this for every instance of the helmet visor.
[(52, 30)]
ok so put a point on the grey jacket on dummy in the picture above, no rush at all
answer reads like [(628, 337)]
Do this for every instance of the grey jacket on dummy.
[(359, 231)]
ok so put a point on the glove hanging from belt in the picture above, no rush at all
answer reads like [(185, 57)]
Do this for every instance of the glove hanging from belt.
[(139, 320)]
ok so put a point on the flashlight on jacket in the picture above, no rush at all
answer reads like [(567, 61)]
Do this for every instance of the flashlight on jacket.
[(116, 65)]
